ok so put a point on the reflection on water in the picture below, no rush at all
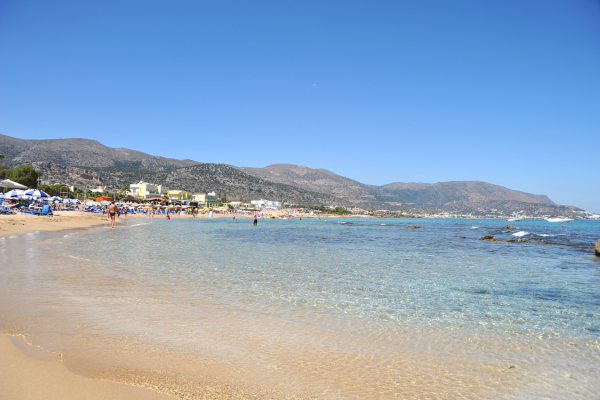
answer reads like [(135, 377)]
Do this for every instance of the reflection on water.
[(326, 309)]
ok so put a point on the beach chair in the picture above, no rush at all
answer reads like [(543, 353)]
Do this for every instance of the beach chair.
[(45, 211)]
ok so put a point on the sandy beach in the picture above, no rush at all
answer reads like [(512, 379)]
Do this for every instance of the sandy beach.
[(42, 376), (20, 223)]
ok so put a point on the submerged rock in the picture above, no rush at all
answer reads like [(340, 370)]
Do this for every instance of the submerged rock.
[(463, 237), (520, 240), (511, 227), (510, 240), (413, 226), (597, 248)]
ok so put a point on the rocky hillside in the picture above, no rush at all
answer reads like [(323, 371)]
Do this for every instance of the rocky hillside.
[(202, 178), (316, 180), (450, 196), (461, 194), (82, 153), (86, 162)]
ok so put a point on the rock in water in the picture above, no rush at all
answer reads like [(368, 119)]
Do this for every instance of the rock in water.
[(412, 226), (511, 227), (510, 240), (598, 248)]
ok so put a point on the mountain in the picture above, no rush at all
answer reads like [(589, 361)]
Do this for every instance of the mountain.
[(317, 180), (468, 193), (201, 178), (85, 162), (82, 153), (459, 196)]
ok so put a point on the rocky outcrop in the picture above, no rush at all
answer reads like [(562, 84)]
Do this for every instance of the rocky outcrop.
[(597, 249), (489, 238)]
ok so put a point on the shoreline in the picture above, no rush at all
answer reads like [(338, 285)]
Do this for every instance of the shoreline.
[(42, 376), (19, 224), (126, 358)]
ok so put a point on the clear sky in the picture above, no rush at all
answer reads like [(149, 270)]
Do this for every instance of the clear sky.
[(506, 92)]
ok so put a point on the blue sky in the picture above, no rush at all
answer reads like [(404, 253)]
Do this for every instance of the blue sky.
[(506, 92)]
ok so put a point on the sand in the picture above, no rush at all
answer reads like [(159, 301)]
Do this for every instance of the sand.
[(24, 223), (24, 377)]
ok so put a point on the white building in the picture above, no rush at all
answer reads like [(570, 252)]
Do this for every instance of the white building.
[(145, 190), (262, 203), (177, 195), (97, 189), (206, 198)]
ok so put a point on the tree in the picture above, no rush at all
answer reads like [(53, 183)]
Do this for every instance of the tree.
[(25, 175)]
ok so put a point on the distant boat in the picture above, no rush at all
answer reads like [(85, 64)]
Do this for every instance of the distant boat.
[(514, 219), (559, 219)]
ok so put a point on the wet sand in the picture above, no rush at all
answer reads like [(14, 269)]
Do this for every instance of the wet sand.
[(26, 377)]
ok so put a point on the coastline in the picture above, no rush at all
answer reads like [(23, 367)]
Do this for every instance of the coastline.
[(212, 341), (20, 223), (30, 377)]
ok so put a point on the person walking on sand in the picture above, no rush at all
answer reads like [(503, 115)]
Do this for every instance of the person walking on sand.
[(255, 220), (113, 210)]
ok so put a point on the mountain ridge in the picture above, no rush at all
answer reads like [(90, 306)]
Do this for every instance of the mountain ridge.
[(82, 153), (88, 162)]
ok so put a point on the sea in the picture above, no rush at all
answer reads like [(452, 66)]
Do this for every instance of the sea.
[(329, 308)]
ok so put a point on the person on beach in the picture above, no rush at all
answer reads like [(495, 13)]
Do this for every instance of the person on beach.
[(113, 210), (255, 220)]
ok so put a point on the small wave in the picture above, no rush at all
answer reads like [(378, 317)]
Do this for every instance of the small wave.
[(147, 223), (384, 224), (474, 227), (520, 233), (71, 234), (544, 234)]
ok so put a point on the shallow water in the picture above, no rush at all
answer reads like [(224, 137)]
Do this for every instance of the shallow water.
[(344, 308)]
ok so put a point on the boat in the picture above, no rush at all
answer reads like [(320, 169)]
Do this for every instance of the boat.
[(559, 219), (514, 219)]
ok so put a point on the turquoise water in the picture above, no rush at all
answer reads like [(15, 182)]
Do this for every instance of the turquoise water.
[(374, 278)]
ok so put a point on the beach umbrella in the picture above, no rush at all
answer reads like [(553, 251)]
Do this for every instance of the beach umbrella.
[(7, 183), (55, 198), (76, 201), (36, 193), (14, 194)]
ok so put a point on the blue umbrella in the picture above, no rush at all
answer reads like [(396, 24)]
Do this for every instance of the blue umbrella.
[(36, 193), (14, 194)]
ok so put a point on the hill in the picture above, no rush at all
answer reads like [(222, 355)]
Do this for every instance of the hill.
[(82, 153), (202, 178), (317, 180), (87, 162), (459, 196)]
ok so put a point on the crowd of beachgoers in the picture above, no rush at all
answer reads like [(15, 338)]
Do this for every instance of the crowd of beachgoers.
[(39, 203)]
